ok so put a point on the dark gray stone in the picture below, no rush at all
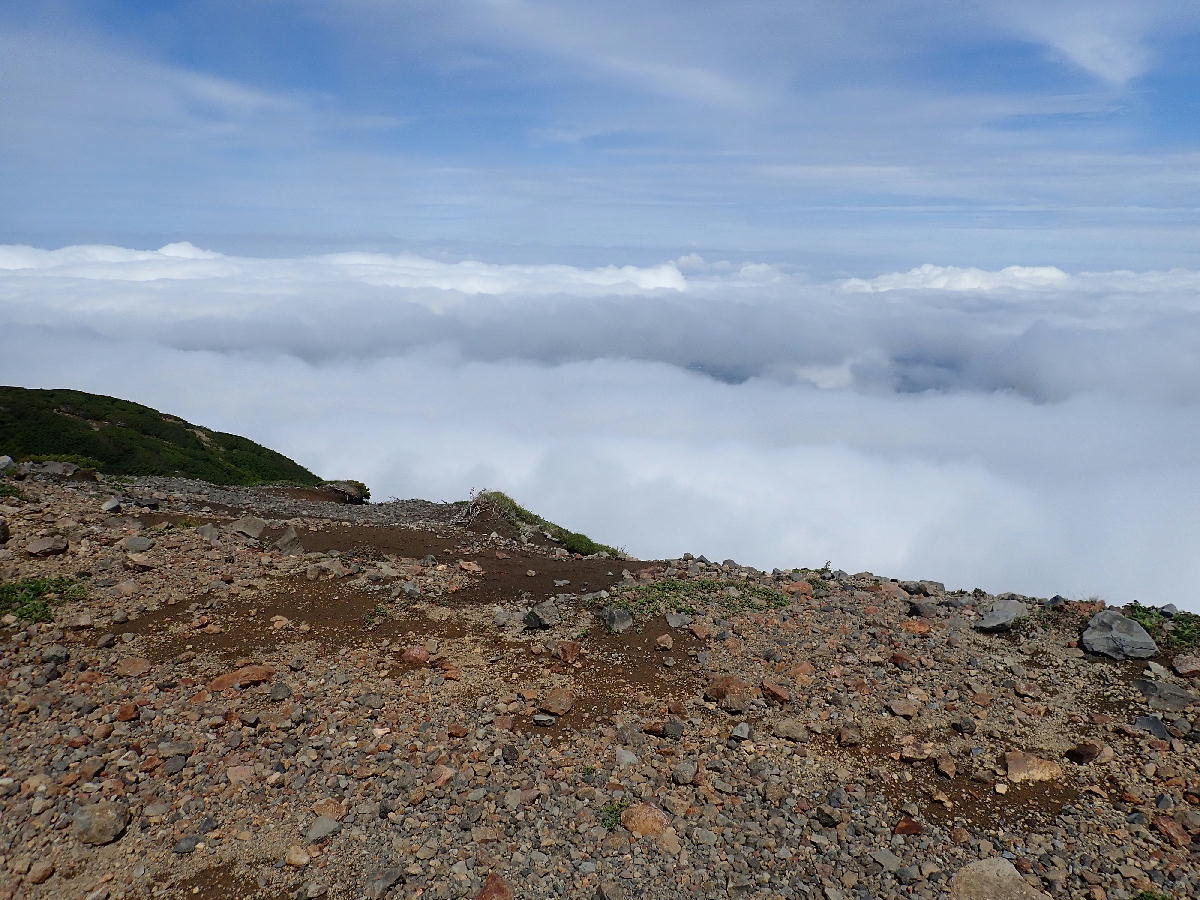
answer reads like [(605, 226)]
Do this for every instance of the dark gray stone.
[(616, 619), (1164, 695), (544, 615), (47, 546), (102, 823), (289, 543), (1112, 634), (379, 883), (1152, 725), (1002, 615), (281, 690), (250, 526), (792, 730), (685, 772)]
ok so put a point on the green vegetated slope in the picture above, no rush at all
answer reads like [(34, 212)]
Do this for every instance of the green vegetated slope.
[(123, 438), (572, 540)]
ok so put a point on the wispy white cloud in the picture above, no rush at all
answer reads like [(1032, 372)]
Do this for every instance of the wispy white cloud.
[(953, 278), (1108, 39)]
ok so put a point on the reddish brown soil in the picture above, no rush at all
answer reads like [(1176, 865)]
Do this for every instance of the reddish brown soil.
[(968, 801), (221, 883)]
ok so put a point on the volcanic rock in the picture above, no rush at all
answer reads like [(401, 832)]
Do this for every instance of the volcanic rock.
[(100, 823), (1112, 634), (992, 879)]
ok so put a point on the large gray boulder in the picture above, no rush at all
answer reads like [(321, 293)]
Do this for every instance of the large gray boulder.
[(6, 463), (347, 491), (1002, 615), (100, 823), (1117, 636), (1164, 695), (992, 879), (250, 526), (47, 546), (289, 543), (59, 469)]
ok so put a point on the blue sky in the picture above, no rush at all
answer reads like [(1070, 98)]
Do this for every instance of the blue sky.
[(835, 135), (911, 285)]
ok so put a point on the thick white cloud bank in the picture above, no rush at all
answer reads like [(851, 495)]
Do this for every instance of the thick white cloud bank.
[(1025, 429)]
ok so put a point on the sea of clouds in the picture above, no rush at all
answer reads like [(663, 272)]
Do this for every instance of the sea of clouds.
[(1025, 429)]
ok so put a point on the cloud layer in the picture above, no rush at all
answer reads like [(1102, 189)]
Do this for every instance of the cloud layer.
[(1024, 429)]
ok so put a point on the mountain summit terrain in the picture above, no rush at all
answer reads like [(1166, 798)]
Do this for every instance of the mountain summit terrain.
[(229, 690)]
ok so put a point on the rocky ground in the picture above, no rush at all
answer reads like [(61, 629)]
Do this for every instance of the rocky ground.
[(264, 693)]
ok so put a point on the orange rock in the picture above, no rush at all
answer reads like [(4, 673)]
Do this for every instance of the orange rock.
[(908, 826), (495, 888), (645, 820), (415, 654), (567, 651), (775, 692), (1172, 831), (329, 808), (440, 775), (133, 666), (243, 677), (559, 702), (1027, 767), (914, 626), (798, 589), (127, 712), (946, 767)]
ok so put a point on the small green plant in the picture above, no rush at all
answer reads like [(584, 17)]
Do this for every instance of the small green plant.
[(822, 578), (8, 490), (84, 462), (1178, 632), (518, 515), (610, 813), (1151, 895), (375, 616), (688, 595), (589, 771), (30, 599)]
